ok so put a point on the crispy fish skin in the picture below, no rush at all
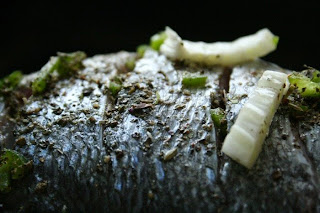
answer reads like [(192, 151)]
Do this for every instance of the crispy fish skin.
[(153, 147)]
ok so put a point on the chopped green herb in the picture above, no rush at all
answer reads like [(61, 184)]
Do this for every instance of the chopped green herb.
[(219, 120), (141, 50), (40, 83), (13, 166), (130, 64), (11, 81), (65, 64), (316, 76), (4, 179), (196, 81), (304, 108), (117, 80), (158, 100), (70, 62), (275, 40), (298, 107), (157, 40), (114, 88), (304, 85), (217, 116)]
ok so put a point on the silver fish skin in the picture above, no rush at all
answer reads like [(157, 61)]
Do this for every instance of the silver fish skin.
[(89, 148), (154, 147)]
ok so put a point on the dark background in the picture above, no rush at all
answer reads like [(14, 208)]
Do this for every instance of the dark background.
[(32, 31)]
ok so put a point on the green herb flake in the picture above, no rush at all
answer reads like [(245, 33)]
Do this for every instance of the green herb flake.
[(40, 83), (196, 81), (304, 85), (316, 76), (70, 63), (141, 49), (158, 98), (65, 64), (13, 166), (217, 116), (117, 80), (157, 40), (130, 64), (11, 81), (114, 88), (219, 120), (298, 107), (275, 40)]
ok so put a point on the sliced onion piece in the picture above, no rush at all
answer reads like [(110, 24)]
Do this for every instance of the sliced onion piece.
[(243, 49), (244, 141)]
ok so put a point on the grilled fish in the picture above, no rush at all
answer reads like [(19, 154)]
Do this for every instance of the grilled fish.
[(153, 147)]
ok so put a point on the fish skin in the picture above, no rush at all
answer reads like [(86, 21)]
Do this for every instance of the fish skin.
[(63, 143), (6, 125), (133, 133), (185, 183), (309, 134), (73, 148)]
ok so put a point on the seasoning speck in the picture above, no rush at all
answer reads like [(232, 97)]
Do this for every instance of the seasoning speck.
[(95, 105), (170, 154), (41, 186), (92, 119), (276, 175), (87, 91), (21, 141), (119, 153), (107, 158), (136, 135), (186, 92), (150, 195)]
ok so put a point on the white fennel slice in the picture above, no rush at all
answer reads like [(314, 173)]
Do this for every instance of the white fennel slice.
[(244, 141), (243, 49)]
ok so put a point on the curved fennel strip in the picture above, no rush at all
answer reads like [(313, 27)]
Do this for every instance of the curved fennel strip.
[(244, 141), (219, 53)]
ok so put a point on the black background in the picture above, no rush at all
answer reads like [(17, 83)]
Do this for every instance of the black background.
[(33, 31)]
